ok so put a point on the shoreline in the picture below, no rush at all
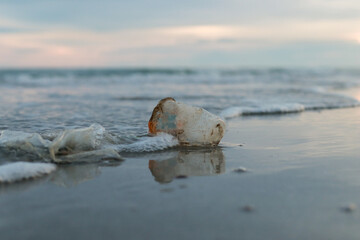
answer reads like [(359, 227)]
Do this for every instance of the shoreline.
[(301, 170)]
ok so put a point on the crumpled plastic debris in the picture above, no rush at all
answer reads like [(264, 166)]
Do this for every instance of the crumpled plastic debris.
[(193, 126)]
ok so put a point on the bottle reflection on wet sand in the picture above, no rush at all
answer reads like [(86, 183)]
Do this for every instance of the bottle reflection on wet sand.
[(204, 162)]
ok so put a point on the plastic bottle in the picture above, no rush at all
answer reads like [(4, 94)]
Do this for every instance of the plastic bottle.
[(193, 126)]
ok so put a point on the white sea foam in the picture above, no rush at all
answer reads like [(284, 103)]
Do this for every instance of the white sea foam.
[(149, 144), (91, 144), (265, 109), (18, 171), (95, 137), (321, 100)]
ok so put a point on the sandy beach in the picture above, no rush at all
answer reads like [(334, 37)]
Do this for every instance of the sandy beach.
[(296, 175)]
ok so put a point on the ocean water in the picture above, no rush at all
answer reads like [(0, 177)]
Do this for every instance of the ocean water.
[(287, 166), (122, 100), (48, 101)]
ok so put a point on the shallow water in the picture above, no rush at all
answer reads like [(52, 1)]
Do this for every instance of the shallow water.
[(302, 168)]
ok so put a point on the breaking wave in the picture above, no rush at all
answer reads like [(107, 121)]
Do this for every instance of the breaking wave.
[(325, 101), (150, 144)]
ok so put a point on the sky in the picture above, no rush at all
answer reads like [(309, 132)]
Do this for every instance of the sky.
[(160, 33)]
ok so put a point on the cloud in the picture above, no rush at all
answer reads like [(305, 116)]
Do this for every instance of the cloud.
[(110, 15), (29, 44), (338, 5)]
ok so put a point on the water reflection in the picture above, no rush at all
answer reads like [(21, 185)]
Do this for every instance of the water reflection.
[(183, 163), (73, 174)]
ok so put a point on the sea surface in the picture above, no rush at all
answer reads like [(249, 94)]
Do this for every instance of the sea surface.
[(121, 100)]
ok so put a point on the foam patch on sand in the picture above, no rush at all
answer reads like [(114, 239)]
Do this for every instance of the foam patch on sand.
[(18, 171)]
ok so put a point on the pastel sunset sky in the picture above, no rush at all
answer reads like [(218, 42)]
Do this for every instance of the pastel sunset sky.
[(159, 33)]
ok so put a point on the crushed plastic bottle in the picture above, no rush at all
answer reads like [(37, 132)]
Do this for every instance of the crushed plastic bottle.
[(193, 126), (77, 140)]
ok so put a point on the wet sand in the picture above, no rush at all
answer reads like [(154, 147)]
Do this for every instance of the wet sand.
[(298, 173)]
